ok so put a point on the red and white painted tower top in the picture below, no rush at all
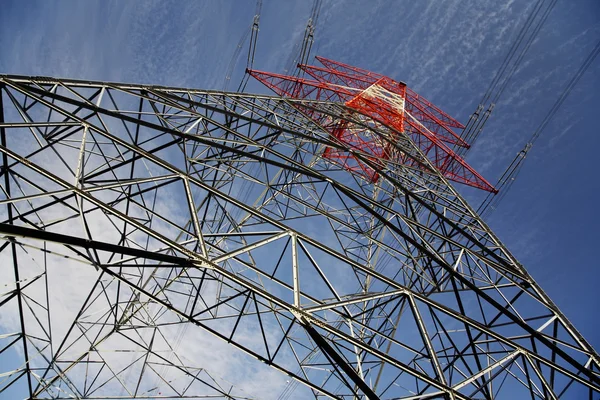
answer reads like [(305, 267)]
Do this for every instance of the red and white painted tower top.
[(384, 101)]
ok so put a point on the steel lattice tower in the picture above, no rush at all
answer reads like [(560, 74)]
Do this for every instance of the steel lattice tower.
[(314, 232)]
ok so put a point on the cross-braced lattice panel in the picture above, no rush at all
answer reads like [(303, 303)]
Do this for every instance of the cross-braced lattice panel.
[(169, 242)]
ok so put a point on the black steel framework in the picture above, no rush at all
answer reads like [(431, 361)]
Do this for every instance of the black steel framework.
[(215, 212)]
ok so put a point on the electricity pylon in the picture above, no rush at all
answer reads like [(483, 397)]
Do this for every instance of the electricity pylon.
[(316, 236)]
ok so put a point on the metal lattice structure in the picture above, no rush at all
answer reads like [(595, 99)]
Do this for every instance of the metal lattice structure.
[(148, 230)]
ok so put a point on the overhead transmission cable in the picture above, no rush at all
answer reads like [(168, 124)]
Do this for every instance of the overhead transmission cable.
[(509, 176), (234, 59), (301, 51), (252, 33), (251, 48), (525, 49), (513, 50), (523, 41)]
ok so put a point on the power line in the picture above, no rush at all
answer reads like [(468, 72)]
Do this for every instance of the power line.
[(525, 49), (252, 33), (509, 176), (513, 49), (251, 47), (506, 71), (301, 51)]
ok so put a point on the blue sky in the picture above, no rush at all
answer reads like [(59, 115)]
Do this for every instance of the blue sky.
[(446, 50)]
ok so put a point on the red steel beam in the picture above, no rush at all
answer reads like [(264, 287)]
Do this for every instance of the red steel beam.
[(333, 85), (429, 119)]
